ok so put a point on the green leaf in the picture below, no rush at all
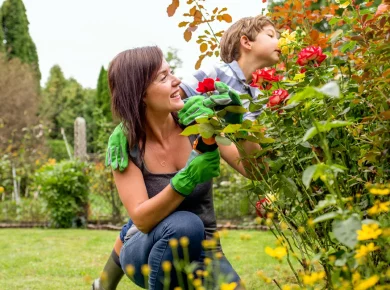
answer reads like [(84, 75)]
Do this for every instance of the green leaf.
[(324, 127), (307, 93), (206, 130), (289, 187), (347, 46), (345, 230), (231, 128), (322, 204), (266, 140), (202, 119), (246, 124), (223, 140), (190, 130), (236, 109), (327, 216), (331, 89), (290, 106), (246, 97), (308, 175), (254, 107), (337, 124)]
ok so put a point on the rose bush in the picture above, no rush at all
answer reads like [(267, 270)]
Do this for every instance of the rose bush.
[(325, 136)]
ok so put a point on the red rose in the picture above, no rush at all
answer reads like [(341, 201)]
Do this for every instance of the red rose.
[(262, 78), (277, 97), (260, 207), (311, 54), (207, 85)]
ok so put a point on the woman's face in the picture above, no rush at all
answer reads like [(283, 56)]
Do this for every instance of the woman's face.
[(163, 94)]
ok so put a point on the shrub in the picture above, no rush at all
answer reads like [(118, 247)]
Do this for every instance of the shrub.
[(65, 186)]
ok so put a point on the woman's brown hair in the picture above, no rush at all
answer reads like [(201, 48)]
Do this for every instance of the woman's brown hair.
[(129, 75)]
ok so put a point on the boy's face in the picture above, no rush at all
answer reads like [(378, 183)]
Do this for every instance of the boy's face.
[(265, 46)]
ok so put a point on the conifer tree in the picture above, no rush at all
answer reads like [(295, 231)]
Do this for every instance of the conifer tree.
[(1, 34), (103, 99), (18, 42)]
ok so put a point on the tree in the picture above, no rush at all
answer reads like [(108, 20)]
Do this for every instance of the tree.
[(1, 34), (18, 100), (18, 42), (52, 101), (103, 99), (173, 60)]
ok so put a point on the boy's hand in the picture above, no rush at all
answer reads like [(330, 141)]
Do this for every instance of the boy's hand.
[(116, 154)]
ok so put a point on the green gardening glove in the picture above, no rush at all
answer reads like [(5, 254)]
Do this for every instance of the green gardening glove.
[(116, 154), (226, 97), (193, 108), (199, 168), (197, 106)]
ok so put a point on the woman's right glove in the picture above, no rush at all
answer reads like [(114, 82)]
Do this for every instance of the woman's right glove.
[(199, 168)]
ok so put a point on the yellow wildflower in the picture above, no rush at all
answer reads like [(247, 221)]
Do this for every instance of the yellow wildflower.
[(313, 278), (379, 207), (301, 230), (130, 270), (355, 277), (207, 261), (190, 276), (278, 252), (218, 255), (166, 266), (1, 189), (184, 241), (145, 270), (364, 250), (258, 220), (230, 286), (177, 288), (379, 191), (173, 243), (197, 282), (368, 232), (368, 283), (310, 222), (51, 161)]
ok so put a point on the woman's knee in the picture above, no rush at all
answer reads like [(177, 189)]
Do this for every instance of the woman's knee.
[(184, 224)]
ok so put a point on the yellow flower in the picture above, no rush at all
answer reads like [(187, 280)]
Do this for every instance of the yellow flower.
[(313, 278), (197, 282), (364, 250), (301, 230), (278, 252), (230, 286), (379, 207), (218, 255), (207, 261), (51, 161), (130, 270), (287, 41), (167, 266), (1, 189), (258, 220), (368, 283), (368, 232), (184, 241), (379, 191), (145, 270), (177, 288), (173, 243)]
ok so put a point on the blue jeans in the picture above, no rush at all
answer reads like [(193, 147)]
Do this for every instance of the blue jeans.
[(153, 249)]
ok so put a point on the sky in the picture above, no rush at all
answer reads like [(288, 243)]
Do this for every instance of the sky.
[(83, 35)]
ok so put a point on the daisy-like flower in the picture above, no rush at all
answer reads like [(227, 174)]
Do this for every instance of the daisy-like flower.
[(278, 252), (369, 232), (379, 207), (365, 250)]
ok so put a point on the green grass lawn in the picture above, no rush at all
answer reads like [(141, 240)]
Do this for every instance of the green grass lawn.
[(71, 259)]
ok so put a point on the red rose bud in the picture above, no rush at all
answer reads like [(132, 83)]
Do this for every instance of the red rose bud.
[(277, 97), (260, 209), (208, 85), (311, 54), (263, 78)]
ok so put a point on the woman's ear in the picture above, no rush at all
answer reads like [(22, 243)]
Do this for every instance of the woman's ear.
[(245, 42)]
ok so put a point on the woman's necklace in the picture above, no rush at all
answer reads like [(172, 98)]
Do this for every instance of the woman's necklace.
[(163, 163)]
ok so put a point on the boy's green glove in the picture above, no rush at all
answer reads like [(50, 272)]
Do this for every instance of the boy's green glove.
[(199, 168), (202, 106), (116, 154)]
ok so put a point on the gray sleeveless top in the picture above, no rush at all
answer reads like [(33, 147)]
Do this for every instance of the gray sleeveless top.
[(199, 202)]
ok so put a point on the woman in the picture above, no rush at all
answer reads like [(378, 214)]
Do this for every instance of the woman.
[(167, 187)]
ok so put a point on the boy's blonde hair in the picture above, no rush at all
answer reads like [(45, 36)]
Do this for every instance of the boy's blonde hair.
[(248, 26)]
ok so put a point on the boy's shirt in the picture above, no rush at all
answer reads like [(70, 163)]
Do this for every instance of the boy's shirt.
[(232, 75)]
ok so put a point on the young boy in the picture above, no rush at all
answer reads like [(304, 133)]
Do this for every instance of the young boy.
[(249, 44)]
